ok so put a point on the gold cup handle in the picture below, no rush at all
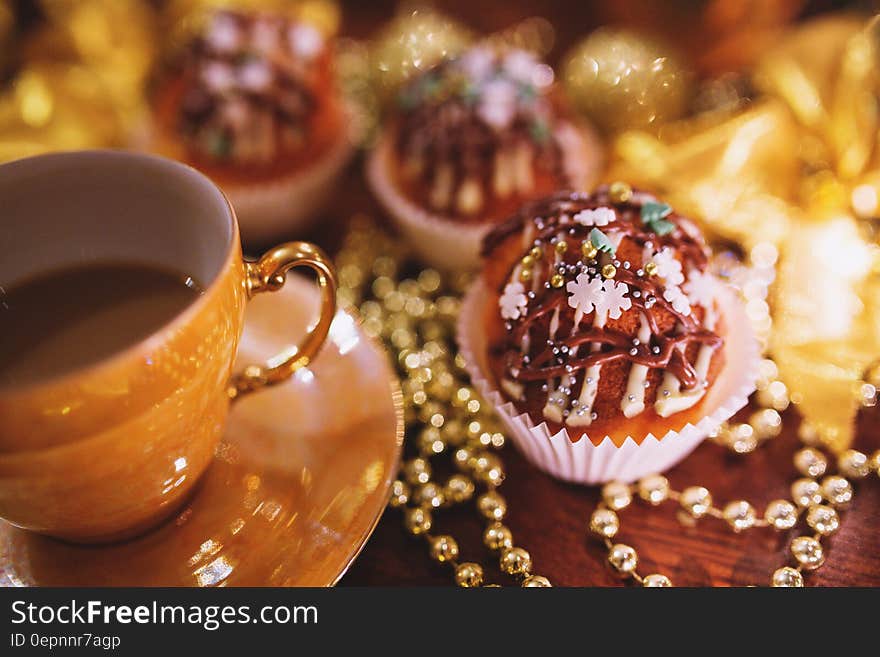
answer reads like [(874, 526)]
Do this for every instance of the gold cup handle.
[(268, 275)]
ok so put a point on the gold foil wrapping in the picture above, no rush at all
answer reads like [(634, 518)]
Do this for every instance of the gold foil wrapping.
[(799, 169)]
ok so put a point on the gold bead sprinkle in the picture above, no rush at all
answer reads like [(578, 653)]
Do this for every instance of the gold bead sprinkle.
[(609, 271), (619, 192), (589, 250), (561, 246), (557, 280), (525, 275), (536, 252), (650, 268)]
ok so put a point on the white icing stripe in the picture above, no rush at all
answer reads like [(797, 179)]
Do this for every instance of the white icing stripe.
[(633, 401), (528, 235), (554, 323), (523, 168), (512, 388), (583, 415), (704, 356), (503, 175), (552, 409), (676, 400)]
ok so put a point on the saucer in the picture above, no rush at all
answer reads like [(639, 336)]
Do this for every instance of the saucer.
[(298, 482)]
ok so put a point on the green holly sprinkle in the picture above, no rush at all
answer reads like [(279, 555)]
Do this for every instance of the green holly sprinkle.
[(470, 94), (219, 144), (653, 214), (662, 227), (653, 211), (528, 92), (540, 131), (601, 242)]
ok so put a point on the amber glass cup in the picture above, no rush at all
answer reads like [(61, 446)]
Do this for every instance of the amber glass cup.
[(112, 448)]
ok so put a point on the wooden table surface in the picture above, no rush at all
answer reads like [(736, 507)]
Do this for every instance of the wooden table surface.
[(549, 518)]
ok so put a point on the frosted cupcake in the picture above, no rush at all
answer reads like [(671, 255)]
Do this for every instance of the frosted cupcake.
[(468, 142), (597, 329), (252, 102)]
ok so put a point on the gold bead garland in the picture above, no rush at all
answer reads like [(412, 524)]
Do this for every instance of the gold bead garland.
[(444, 415), (817, 501)]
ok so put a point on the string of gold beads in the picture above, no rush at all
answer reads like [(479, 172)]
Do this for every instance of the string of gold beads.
[(445, 417), (819, 502)]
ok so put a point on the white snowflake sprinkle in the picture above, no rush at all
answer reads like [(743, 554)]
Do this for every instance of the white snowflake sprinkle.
[(498, 104), (224, 35), (521, 66), (513, 302), (478, 63), (255, 76), (701, 288), (668, 266), (218, 77), (584, 293), (305, 40), (677, 298), (614, 300), (597, 217)]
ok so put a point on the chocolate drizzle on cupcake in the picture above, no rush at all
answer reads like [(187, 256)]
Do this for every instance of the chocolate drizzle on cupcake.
[(611, 292), (480, 127), (250, 83)]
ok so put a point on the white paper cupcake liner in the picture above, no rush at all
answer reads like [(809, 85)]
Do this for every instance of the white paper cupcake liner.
[(451, 244), (583, 462)]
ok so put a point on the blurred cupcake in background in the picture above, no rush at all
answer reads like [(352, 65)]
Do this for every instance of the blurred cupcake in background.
[(252, 101), (468, 142)]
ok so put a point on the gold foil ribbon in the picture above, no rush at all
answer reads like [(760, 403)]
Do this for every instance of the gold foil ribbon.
[(798, 168)]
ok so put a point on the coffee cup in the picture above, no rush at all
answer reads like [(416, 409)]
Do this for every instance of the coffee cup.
[(110, 448)]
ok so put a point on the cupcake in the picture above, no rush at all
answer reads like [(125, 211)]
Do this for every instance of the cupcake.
[(599, 332), (252, 102), (468, 142)]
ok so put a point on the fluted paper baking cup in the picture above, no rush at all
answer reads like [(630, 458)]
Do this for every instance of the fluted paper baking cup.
[(586, 463), (451, 244)]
